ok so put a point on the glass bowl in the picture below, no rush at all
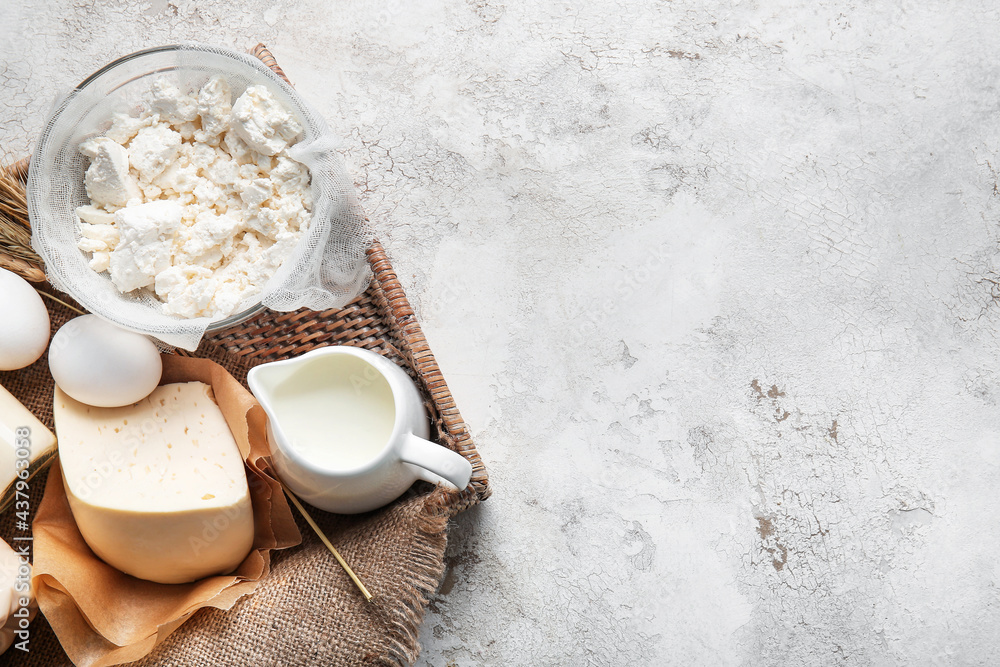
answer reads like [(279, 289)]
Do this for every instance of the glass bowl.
[(56, 177)]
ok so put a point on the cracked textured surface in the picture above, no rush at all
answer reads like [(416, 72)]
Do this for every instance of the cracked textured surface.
[(716, 286)]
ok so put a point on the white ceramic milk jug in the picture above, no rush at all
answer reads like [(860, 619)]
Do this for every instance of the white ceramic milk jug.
[(348, 431)]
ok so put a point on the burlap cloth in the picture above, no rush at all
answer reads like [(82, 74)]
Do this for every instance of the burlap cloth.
[(307, 611)]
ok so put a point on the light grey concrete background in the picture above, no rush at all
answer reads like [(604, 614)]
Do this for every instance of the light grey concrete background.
[(715, 286)]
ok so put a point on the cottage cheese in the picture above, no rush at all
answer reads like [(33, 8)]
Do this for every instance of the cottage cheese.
[(196, 199), (265, 125), (108, 180), (146, 243)]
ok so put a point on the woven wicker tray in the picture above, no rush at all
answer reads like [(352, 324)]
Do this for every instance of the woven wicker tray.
[(381, 320)]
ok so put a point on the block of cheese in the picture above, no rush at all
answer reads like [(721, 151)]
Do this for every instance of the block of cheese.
[(18, 427), (158, 488)]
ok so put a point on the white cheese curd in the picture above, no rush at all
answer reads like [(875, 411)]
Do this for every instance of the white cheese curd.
[(263, 123), (94, 215), (146, 244), (152, 149), (172, 105), (195, 199), (124, 127), (216, 110), (108, 179)]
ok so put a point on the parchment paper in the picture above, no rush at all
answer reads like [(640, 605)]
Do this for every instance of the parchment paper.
[(105, 617)]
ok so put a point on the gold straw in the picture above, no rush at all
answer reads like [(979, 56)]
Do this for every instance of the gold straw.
[(16, 253), (58, 300), (333, 550)]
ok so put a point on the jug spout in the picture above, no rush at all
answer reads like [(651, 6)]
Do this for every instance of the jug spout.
[(264, 379)]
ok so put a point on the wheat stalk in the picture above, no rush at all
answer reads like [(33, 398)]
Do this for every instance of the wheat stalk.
[(15, 231)]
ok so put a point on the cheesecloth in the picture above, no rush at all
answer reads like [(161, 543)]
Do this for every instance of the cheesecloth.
[(327, 269)]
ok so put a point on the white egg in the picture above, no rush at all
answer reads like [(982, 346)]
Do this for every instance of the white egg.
[(24, 323), (102, 365)]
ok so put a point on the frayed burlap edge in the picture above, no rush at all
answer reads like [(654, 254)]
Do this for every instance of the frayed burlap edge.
[(426, 568)]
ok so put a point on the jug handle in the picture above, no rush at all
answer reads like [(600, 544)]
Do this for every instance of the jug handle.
[(436, 462)]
